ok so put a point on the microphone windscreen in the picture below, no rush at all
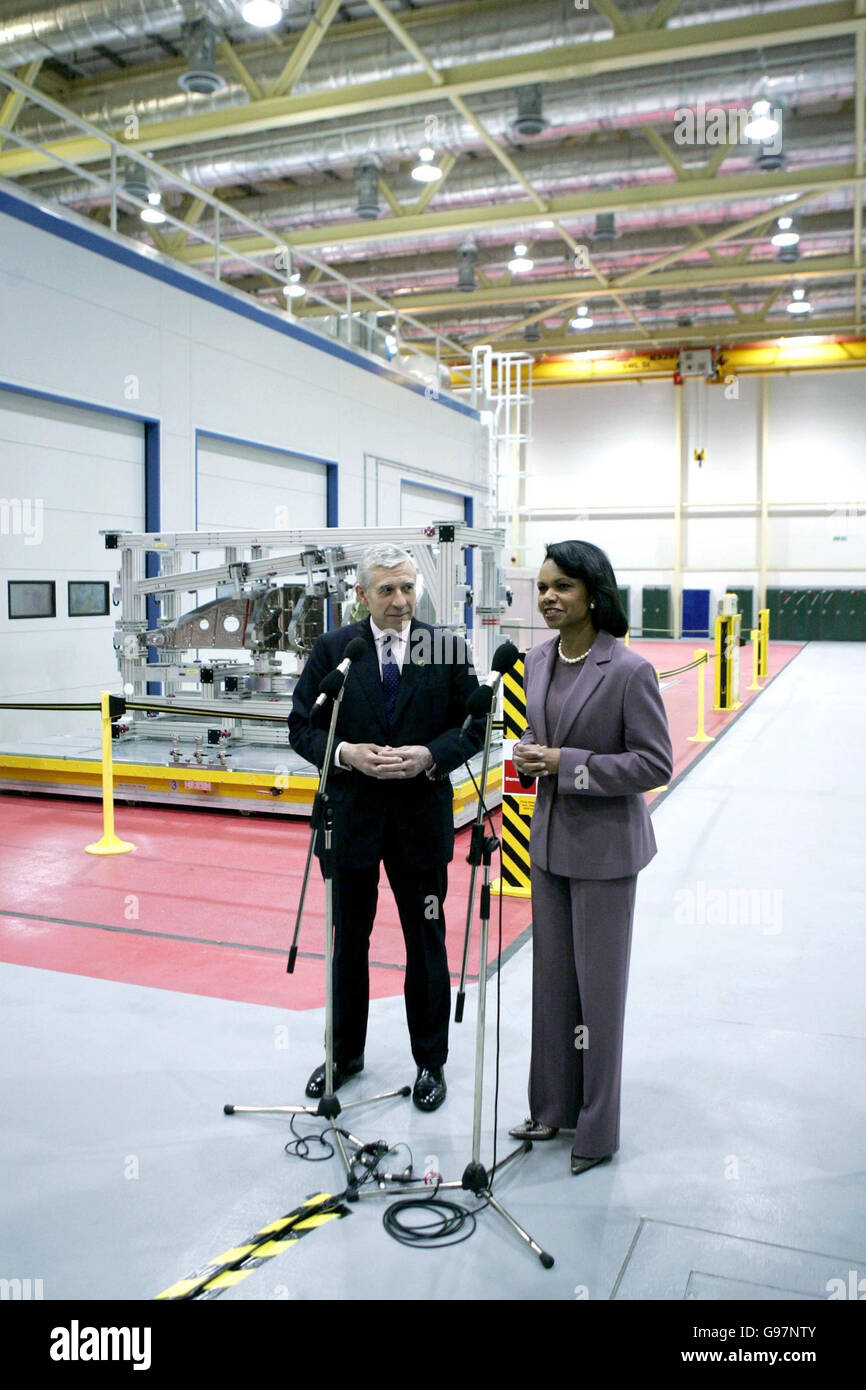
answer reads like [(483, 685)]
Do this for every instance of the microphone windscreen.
[(356, 648), (504, 657), (480, 700), (331, 683)]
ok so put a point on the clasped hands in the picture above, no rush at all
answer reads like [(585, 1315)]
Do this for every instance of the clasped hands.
[(383, 761), (536, 760)]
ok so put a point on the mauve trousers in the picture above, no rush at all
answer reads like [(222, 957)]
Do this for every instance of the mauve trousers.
[(581, 944)]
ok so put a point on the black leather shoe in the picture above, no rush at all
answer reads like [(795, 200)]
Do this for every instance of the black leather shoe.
[(580, 1165), (429, 1090), (316, 1084), (533, 1129)]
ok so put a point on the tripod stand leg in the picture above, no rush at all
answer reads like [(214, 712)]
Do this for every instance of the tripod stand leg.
[(545, 1258)]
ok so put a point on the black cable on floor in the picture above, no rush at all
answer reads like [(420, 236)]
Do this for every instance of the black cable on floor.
[(444, 1226), (299, 1146)]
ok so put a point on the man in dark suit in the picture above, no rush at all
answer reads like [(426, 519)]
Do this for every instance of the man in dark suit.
[(397, 740)]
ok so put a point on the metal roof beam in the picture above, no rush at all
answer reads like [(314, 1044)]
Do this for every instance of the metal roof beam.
[(395, 25), (240, 69), (724, 234), (11, 106), (700, 335), (609, 10), (816, 181), (624, 53), (559, 291), (305, 48)]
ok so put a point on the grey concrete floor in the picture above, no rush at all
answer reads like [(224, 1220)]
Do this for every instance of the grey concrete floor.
[(740, 1174)]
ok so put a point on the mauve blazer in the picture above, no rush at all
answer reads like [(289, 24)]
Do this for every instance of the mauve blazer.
[(613, 732)]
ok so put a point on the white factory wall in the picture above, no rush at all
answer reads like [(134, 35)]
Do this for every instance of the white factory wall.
[(79, 325), (615, 446), (76, 472)]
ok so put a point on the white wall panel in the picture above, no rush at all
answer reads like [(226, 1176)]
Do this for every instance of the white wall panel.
[(85, 472), (595, 444), (817, 429), (243, 487), (729, 472), (421, 505)]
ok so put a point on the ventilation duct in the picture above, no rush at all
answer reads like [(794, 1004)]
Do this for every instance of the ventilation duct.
[(367, 190), (530, 119), (201, 75)]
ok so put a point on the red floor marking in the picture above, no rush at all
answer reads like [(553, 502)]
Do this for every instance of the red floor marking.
[(221, 878)]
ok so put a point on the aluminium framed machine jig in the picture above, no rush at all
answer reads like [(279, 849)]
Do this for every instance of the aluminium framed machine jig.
[(244, 647)]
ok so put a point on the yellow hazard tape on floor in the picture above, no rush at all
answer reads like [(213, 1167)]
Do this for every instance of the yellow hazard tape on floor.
[(229, 1268)]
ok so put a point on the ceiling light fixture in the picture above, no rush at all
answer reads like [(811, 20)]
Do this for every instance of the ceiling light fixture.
[(153, 212), (799, 303), (294, 289), (762, 124), (262, 14), (787, 235), (520, 262), (581, 320), (425, 170)]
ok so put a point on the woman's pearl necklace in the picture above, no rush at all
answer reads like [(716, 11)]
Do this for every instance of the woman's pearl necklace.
[(572, 660)]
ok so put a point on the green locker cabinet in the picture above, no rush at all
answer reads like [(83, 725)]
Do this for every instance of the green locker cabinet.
[(804, 620), (656, 612), (843, 615), (774, 603), (830, 615)]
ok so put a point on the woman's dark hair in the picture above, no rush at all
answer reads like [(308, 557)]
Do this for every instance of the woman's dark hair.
[(582, 560)]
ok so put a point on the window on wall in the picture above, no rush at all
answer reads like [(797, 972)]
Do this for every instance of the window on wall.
[(87, 598), (32, 598)]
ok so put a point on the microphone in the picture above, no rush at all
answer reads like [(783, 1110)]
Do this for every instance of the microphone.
[(333, 682), (481, 700)]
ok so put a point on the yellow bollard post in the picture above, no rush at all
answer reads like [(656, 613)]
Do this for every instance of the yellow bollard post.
[(755, 634), (764, 629), (109, 842), (701, 735)]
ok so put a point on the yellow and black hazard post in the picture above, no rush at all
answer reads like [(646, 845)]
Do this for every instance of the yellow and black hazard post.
[(727, 678), (517, 803), (764, 642)]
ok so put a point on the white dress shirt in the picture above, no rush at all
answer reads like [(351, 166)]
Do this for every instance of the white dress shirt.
[(389, 642)]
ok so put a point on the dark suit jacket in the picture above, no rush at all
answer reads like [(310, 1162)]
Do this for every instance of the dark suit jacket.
[(615, 744), (436, 681)]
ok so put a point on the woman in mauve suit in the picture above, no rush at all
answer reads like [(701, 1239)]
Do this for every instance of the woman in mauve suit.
[(597, 738)]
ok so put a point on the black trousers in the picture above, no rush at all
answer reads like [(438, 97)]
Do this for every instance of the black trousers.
[(420, 895)]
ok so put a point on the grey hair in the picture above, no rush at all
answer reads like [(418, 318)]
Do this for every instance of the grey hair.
[(386, 557)]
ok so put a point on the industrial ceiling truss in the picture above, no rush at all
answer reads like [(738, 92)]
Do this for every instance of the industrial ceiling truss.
[(422, 176)]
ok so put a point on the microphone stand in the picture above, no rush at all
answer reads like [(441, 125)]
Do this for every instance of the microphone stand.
[(329, 1107), (476, 1178)]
